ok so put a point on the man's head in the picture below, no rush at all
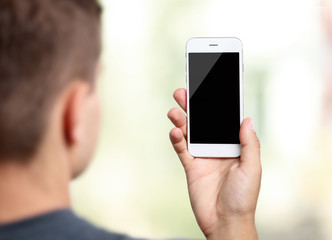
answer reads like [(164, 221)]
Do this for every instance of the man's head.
[(49, 51)]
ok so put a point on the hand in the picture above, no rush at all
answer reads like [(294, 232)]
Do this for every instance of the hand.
[(223, 192)]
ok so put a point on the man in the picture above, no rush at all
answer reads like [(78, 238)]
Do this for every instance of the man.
[(49, 116)]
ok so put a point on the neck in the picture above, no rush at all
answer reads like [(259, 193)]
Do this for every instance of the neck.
[(32, 188)]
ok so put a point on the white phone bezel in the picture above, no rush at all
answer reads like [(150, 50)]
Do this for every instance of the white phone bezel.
[(206, 45)]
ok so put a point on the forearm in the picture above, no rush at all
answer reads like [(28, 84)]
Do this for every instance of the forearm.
[(237, 230)]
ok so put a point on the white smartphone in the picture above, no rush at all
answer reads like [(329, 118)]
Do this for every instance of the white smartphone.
[(214, 96)]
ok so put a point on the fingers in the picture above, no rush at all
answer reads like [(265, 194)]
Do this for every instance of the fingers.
[(250, 153), (178, 119), (180, 96), (180, 146), (178, 135)]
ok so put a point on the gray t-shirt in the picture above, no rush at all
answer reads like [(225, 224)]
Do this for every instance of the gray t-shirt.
[(57, 225)]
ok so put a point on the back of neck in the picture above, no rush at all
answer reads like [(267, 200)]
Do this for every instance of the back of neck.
[(31, 189)]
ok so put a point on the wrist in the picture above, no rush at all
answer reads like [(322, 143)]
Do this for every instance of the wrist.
[(234, 228)]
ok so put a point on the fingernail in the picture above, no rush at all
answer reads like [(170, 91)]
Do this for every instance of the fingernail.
[(251, 124)]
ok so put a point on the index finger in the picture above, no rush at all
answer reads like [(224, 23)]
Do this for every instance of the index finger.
[(180, 96)]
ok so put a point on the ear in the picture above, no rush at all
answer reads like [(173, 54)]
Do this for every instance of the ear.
[(74, 111)]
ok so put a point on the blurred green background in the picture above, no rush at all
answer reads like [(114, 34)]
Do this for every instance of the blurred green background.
[(136, 183)]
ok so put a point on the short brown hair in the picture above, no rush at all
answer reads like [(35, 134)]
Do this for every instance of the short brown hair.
[(43, 45)]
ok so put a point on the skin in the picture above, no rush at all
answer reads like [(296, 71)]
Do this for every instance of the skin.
[(223, 192)]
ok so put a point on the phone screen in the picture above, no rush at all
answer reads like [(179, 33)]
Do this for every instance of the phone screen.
[(214, 98)]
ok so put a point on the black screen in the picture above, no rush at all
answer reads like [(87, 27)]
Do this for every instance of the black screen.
[(214, 98)]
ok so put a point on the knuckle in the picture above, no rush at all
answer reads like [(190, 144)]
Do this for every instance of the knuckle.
[(257, 142), (176, 91), (171, 112), (172, 132)]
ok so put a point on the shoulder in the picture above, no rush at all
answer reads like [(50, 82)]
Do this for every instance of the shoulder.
[(81, 229), (57, 225)]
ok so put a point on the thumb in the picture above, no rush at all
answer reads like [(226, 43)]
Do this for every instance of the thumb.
[(250, 152)]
